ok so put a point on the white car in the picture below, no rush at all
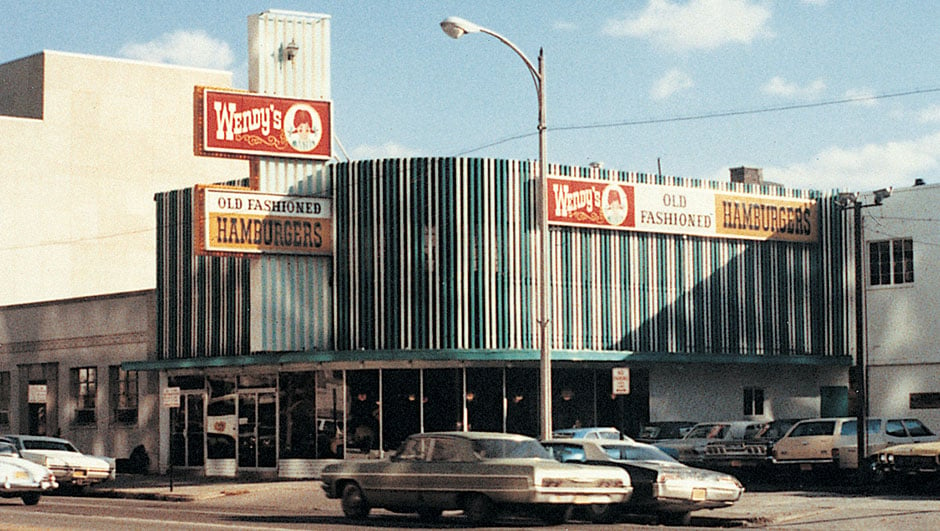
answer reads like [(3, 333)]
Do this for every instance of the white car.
[(23, 478), (661, 485), (71, 467)]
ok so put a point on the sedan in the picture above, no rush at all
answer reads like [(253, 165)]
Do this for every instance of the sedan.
[(72, 468), (479, 473), (22, 478), (908, 459), (661, 484)]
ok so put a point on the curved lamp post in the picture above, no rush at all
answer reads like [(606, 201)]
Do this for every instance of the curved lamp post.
[(457, 27)]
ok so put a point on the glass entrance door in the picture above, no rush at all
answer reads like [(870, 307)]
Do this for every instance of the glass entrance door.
[(257, 429), (187, 430)]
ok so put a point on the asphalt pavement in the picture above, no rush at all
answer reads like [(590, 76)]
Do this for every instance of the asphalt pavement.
[(790, 507)]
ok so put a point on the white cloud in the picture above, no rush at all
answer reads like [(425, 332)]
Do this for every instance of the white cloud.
[(930, 114), (778, 86), (673, 81), (863, 168), (388, 150), (189, 48), (863, 97), (697, 24)]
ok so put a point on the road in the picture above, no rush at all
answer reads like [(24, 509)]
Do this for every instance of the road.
[(300, 505)]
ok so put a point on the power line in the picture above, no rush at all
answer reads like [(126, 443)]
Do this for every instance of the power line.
[(710, 115)]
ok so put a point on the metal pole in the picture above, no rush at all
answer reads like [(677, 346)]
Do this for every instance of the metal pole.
[(545, 365), (861, 402)]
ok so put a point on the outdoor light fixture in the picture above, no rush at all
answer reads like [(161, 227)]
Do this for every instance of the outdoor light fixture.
[(290, 51), (457, 27), (881, 195)]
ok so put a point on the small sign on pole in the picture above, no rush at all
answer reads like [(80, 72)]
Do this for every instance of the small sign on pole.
[(171, 397), (621, 380)]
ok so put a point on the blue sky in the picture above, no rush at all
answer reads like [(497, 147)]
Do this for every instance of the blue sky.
[(819, 93)]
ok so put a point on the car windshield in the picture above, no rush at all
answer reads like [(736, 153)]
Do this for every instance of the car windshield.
[(41, 444), (707, 431), (7, 449), (515, 448), (636, 453)]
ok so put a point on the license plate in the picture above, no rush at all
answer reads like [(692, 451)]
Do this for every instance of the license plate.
[(79, 473), (806, 466), (22, 475), (735, 463), (699, 494)]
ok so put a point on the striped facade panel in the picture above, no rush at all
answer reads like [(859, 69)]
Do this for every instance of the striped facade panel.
[(441, 253), (292, 296), (202, 302)]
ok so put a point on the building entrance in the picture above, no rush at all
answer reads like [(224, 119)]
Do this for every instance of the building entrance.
[(257, 429), (187, 431)]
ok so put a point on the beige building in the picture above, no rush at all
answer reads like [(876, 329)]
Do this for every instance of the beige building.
[(87, 142)]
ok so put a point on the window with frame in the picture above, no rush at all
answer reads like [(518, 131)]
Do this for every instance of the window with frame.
[(891, 262), (85, 391), (5, 392), (124, 397), (753, 401)]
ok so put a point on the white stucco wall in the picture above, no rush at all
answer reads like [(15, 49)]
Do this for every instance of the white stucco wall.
[(903, 339), (77, 212), (703, 392)]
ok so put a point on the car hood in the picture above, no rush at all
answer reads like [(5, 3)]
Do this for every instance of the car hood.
[(71, 459), (925, 449)]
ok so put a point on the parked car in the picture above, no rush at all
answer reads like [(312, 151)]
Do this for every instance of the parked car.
[(653, 432), (833, 442), (755, 449), (479, 473), (72, 468), (590, 433), (21, 477), (661, 485), (908, 459), (690, 449)]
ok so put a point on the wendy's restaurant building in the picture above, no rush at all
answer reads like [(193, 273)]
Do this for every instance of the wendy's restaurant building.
[(317, 310), (419, 311)]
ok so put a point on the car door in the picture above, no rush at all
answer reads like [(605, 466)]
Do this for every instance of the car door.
[(447, 472), (807, 441)]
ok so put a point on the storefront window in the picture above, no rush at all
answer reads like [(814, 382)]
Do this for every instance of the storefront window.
[(522, 401), (485, 399), (363, 419), (443, 407), (311, 415), (221, 422), (401, 404)]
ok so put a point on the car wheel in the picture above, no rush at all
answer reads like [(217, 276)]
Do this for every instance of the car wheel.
[(429, 514), (354, 502), (479, 509), (554, 514), (675, 518), (602, 513), (31, 498)]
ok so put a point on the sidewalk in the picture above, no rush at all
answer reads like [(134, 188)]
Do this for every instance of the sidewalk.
[(180, 488)]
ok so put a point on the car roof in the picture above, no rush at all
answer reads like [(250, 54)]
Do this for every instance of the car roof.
[(34, 438), (474, 435)]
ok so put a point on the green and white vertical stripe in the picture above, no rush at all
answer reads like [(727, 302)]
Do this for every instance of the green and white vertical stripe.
[(441, 253)]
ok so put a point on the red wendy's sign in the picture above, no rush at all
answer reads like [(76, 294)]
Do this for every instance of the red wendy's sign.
[(245, 124), (591, 203)]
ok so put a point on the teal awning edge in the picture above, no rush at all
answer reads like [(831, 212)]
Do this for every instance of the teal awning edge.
[(605, 356)]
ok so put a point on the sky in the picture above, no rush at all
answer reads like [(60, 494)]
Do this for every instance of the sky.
[(820, 94)]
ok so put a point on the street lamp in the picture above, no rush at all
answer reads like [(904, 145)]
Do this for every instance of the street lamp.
[(457, 27), (846, 200)]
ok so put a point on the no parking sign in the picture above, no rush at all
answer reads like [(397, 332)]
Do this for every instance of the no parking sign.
[(621, 380)]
